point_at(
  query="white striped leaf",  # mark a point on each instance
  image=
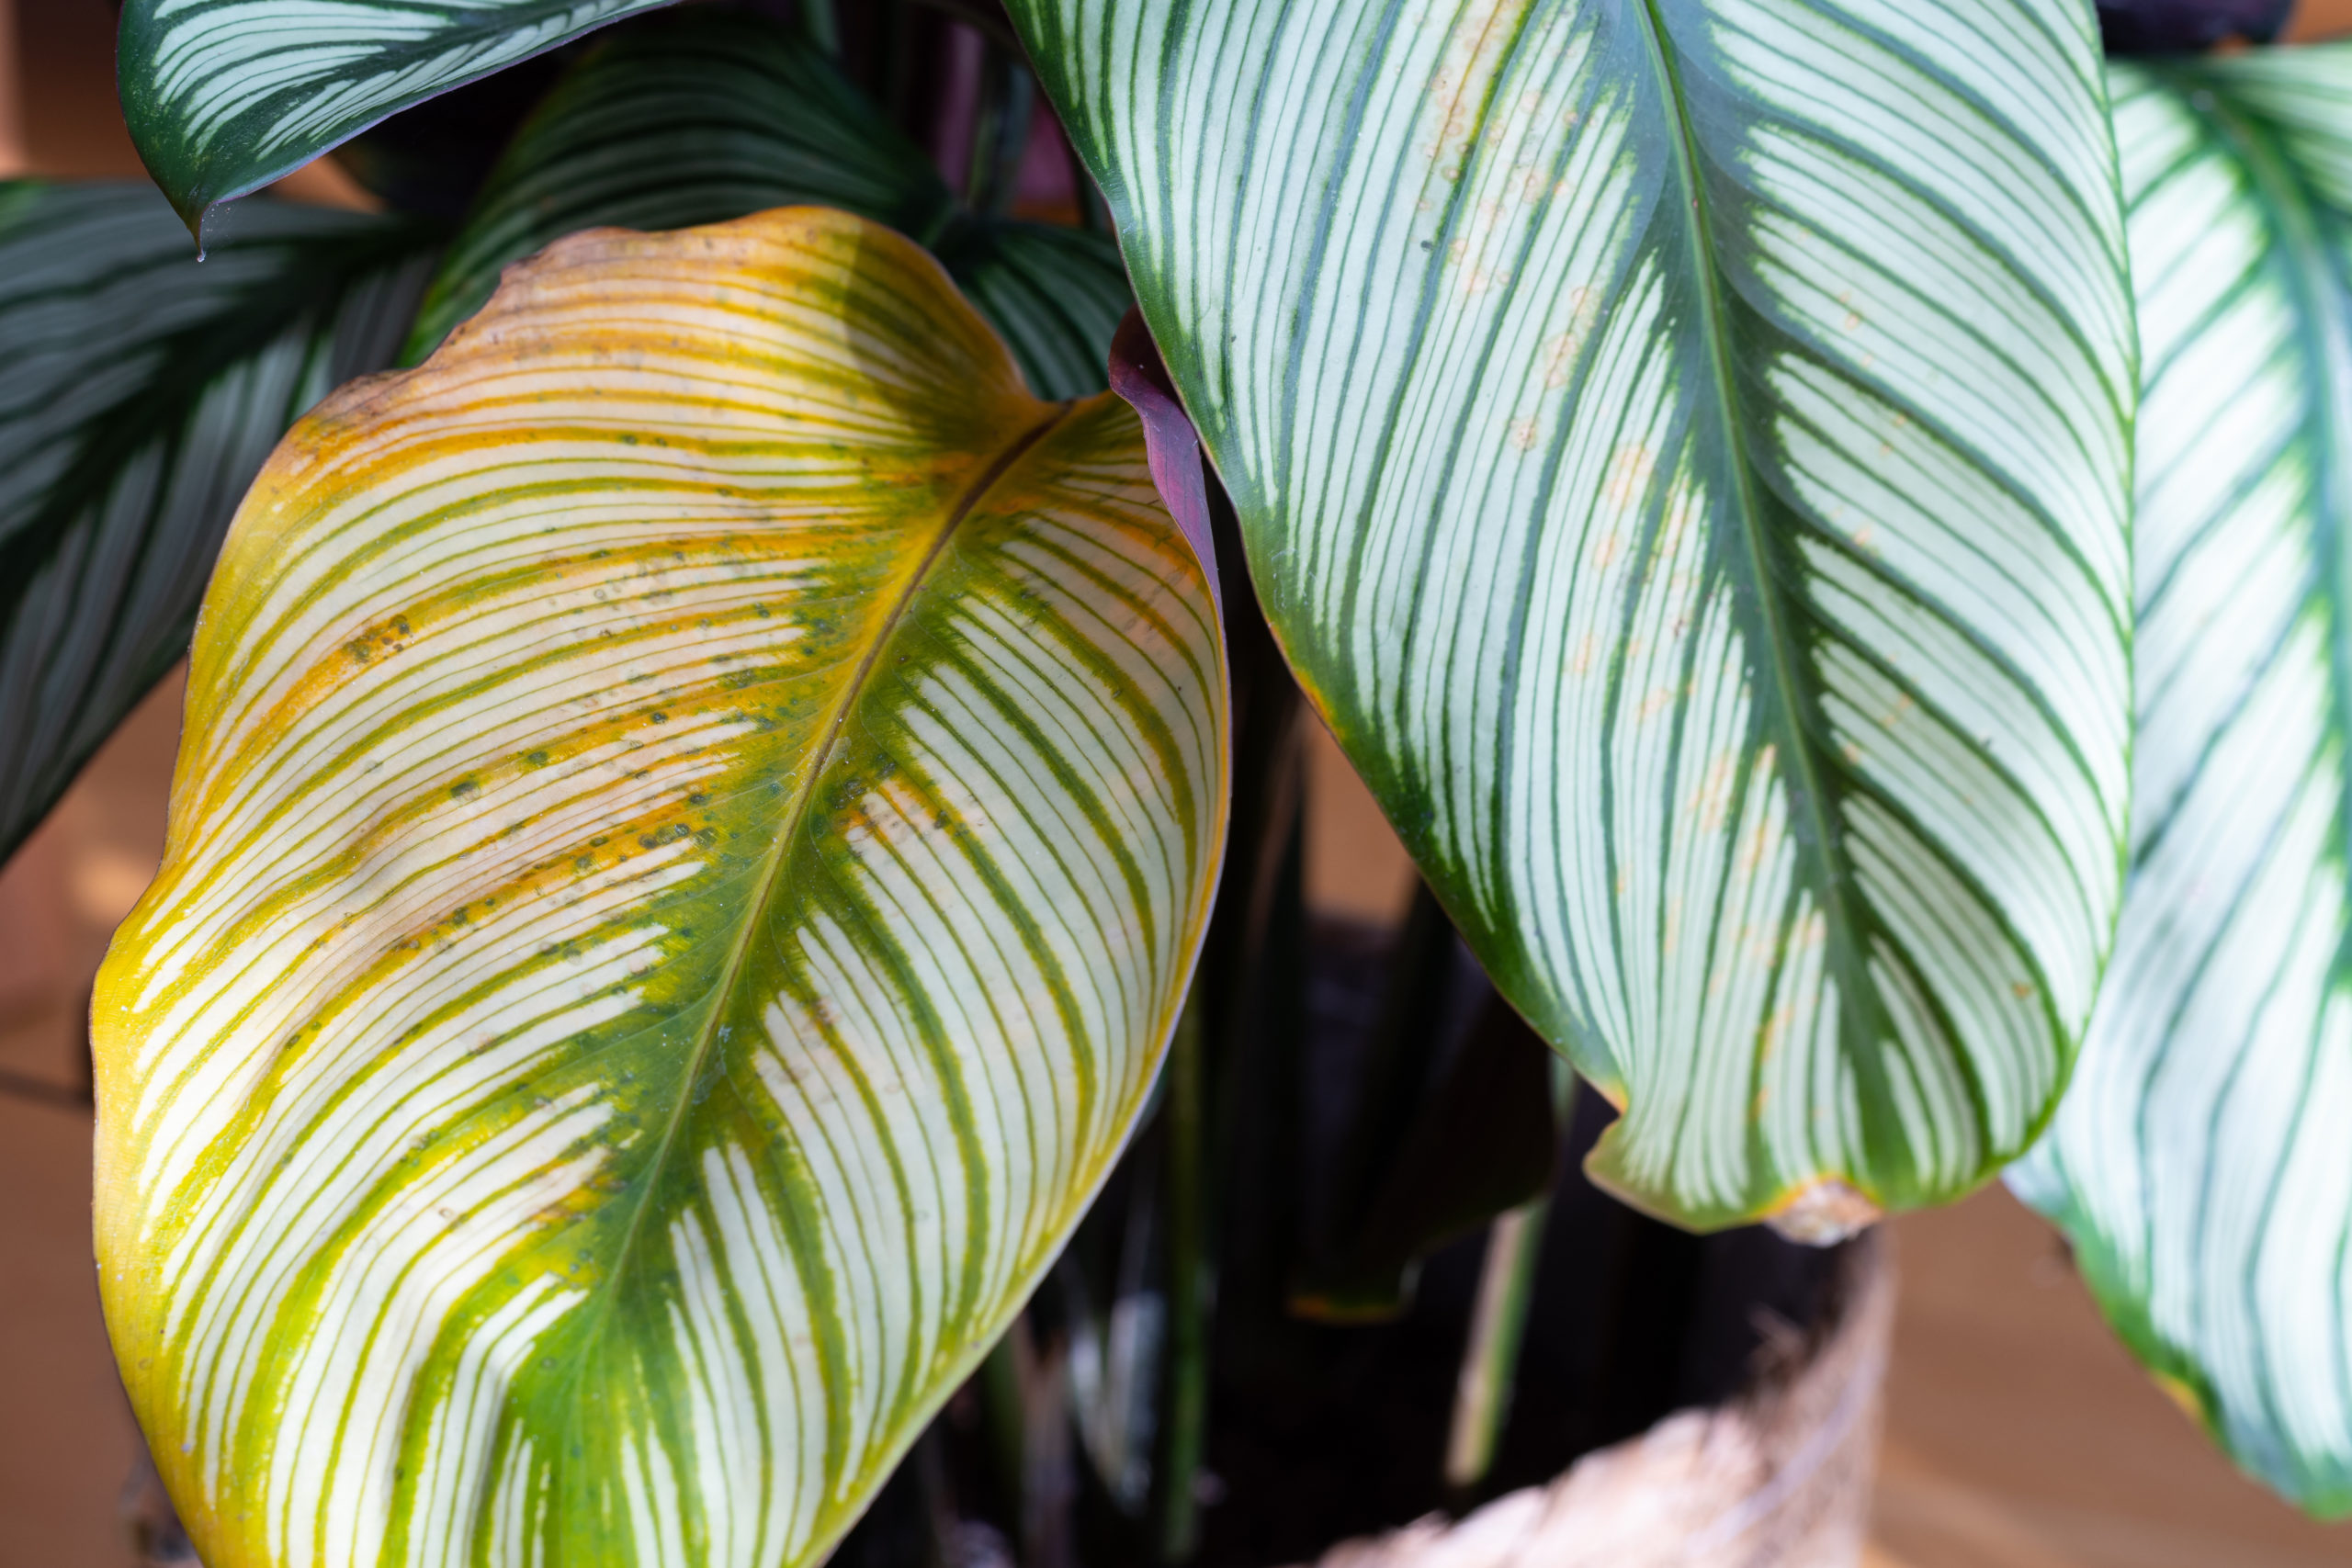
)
(2201, 1161)
(1057, 293)
(1683, 445)
(140, 392)
(223, 96)
(697, 811)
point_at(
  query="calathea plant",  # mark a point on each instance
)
(702, 795)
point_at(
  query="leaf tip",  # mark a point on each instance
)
(192, 210)
(1823, 1213)
(2186, 1395)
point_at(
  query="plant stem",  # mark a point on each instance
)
(937, 1499)
(1001, 1410)
(1048, 1484)
(1008, 97)
(1188, 1289)
(1490, 1362)
(1498, 1323)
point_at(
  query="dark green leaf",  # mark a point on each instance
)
(223, 96)
(140, 390)
(1055, 295)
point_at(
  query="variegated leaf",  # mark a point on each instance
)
(1057, 295)
(697, 808)
(705, 116)
(223, 96)
(2200, 1162)
(140, 392)
(1683, 445)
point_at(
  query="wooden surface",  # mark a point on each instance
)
(2319, 19)
(12, 109)
(2020, 1435)
(66, 1437)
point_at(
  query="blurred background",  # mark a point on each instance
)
(2018, 1434)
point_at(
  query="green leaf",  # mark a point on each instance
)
(1682, 446)
(697, 810)
(707, 115)
(223, 96)
(1056, 296)
(140, 392)
(2198, 1162)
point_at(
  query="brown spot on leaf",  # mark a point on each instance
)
(1824, 1211)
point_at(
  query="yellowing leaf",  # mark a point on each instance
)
(697, 808)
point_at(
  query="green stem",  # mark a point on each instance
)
(1498, 1323)
(1333, 1283)
(1001, 1410)
(999, 131)
(1188, 1289)
(1490, 1362)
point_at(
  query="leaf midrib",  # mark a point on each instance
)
(770, 877)
(1714, 328)
(2322, 287)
